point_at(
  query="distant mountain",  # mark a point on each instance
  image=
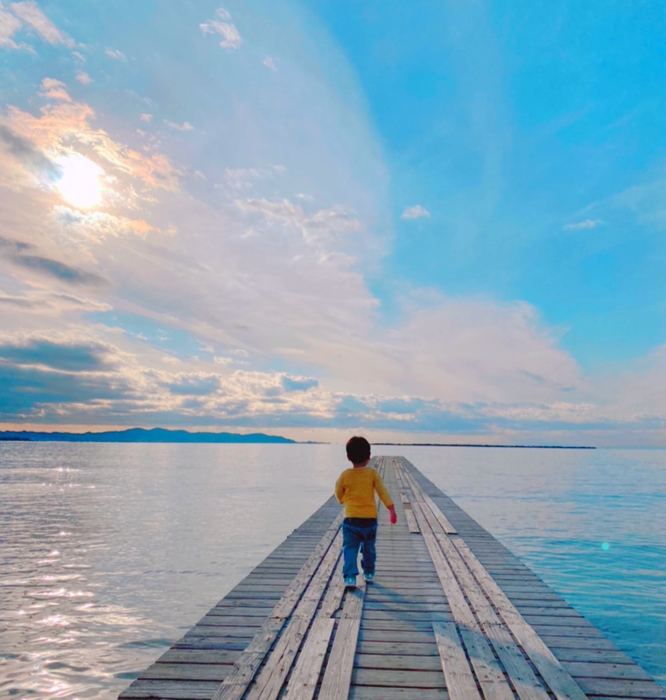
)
(142, 435)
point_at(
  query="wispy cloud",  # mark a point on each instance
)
(270, 64)
(37, 20)
(184, 126)
(83, 78)
(55, 90)
(51, 301)
(315, 227)
(9, 25)
(583, 225)
(146, 118)
(231, 39)
(115, 54)
(415, 212)
(97, 225)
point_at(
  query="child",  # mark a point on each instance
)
(356, 490)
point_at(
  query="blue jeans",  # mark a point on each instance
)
(353, 538)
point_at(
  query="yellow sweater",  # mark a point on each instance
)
(356, 490)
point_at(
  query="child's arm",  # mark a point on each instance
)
(385, 498)
(340, 490)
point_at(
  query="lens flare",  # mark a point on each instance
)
(79, 183)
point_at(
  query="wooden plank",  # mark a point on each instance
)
(623, 688)
(409, 662)
(522, 677)
(337, 677)
(292, 595)
(187, 672)
(459, 608)
(368, 692)
(247, 665)
(303, 681)
(199, 656)
(520, 674)
(412, 525)
(488, 671)
(389, 678)
(559, 681)
(270, 680)
(338, 673)
(171, 690)
(607, 670)
(423, 497)
(460, 681)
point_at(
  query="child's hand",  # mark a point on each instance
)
(394, 517)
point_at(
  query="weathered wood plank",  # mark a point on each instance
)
(460, 681)
(271, 678)
(337, 676)
(171, 690)
(246, 667)
(303, 682)
(369, 692)
(623, 688)
(415, 680)
(421, 495)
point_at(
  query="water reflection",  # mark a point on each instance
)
(111, 552)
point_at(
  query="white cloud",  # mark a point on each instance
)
(79, 56)
(582, 225)
(115, 54)
(50, 301)
(231, 39)
(416, 212)
(185, 126)
(316, 227)
(9, 25)
(37, 20)
(97, 225)
(245, 178)
(55, 90)
(83, 78)
(146, 118)
(270, 64)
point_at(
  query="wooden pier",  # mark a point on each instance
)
(452, 614)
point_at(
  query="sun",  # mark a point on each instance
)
(79, 182)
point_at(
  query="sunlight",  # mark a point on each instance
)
(79, 183)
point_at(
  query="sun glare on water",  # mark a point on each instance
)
(79, 183)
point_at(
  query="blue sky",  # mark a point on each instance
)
(426, 220)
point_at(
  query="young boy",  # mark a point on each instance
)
(356, 490)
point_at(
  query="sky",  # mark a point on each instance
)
(426, 221)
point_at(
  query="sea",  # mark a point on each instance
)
(110, 552)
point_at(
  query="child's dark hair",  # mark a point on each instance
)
(358, 450)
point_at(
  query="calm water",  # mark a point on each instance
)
(108, 553)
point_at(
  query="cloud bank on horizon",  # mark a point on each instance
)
(277, 216)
